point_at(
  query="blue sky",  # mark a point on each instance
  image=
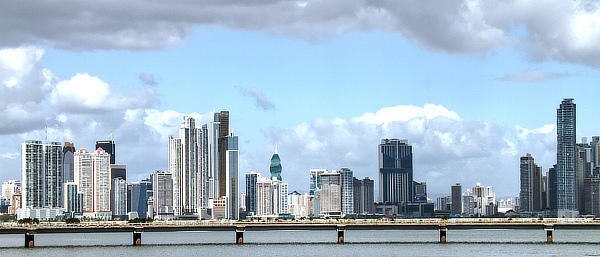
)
(473, 85)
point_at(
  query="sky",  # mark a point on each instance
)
(473, 85)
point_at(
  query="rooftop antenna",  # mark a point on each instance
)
(275, 148)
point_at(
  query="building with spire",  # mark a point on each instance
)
(275, 166)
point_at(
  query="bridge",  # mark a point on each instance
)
(239, 227)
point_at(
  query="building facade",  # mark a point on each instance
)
(395, 171)
(530, 195)
(566, 165)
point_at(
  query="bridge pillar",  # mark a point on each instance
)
(443, 229)
(239, 235)
(340, 232)
(29, 238)
(549, 229)
(137, 235)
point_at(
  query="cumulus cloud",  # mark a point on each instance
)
(89, 93)
(533, 76)
(446, 149)
(567, 31)
(260, 98)
(35, 104)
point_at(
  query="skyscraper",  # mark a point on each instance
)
(68, 166)
(231, 175)
(92, 175)
(566, 178)
(108, 146)
(584, 170)
(395, 171)
(118, 198)
(184, 164)
(347, 191)
(162, 187)
(530, 196)
(252, 179)
(42, 178)
(456, 206)
(329, 194)
(363, 196)
(275, 166)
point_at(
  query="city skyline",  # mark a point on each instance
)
(472, 85)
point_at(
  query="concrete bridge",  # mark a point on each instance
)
(29, 231)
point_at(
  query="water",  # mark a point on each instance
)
(312, 243)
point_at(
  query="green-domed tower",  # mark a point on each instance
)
(275, 166)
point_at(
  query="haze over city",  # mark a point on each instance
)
(472, 85)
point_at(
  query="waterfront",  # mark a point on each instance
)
(312, 243)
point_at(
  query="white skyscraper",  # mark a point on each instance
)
(92, 175)
(41, 174)
(264, 197)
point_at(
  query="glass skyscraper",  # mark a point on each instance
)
(275, 166)
(42, 179)
(566, 179)
(395, 171)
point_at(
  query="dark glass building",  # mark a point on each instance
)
(109, 147)
(566, 165)
(68, 162)
(395, 171)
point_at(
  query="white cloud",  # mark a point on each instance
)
(405, 113)
(567, 31)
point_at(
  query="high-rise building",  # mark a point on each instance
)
(315, 180)
(346, 176)
(530, 196)
(329, 194)
(73, 199)
(138, 197)
(92, 175)
(252, 179)
(68, 165)
(223, 141)
(162, 187)
(456, 207)
(11, 187)
(275, 166)
(585, 166)
(108, 146)
(364, 202)
(231, 175)
(41, 174)
(118, 198)
(280, 197)
(420, 192)
(395, 171)
(264, 197)
(566, 164)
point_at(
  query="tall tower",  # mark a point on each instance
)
(68, 168)
(457, 205)
(231, 176)
(252, 179)
(108, 146)
(347, 191)
(223, 141)
(42, 178)
(184, 165)
(275, 166)
(566, 178)
(395, 171)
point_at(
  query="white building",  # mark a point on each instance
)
(92, 175)
(41, 174)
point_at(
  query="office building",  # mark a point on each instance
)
(162, 187)
(68, 162)
(252, 179)
(264, 197)
(231, 175)
(138, 199)
(73, 199)
(329, 195)
(275, 166)
(364, 202)
(108, 146)
(395, 171)
(456, 206)
(530, 196)
(118, 198)
(347, 191)
(566, 177)
(584, 169)
(41, 174)
(420, 192)
(92, 175)
(315, 180)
